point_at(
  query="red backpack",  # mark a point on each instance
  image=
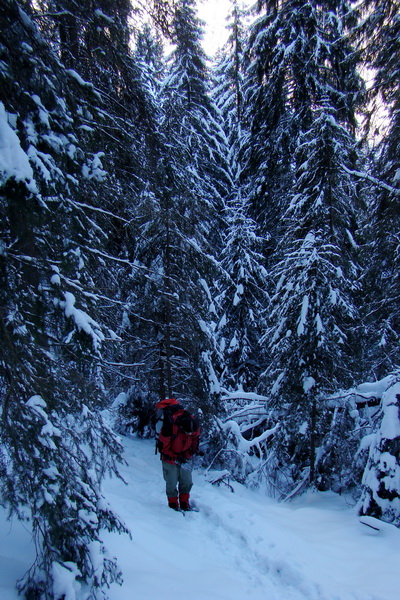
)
(178, 439)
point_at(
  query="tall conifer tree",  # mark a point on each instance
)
(244, 293)
(380, 40)
(56, 448)
(313, 309)
(180, 221)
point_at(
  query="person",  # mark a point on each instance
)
(177, 441)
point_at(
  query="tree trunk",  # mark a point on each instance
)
(313, 434)
(166, 370)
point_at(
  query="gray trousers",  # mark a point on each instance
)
(176, 478)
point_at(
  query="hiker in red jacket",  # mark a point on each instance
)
(178, 439)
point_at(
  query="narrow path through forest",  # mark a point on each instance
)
(243, 545)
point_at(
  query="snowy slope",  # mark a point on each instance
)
(240, 546)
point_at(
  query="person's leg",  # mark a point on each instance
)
(171, 474)
(185, 485)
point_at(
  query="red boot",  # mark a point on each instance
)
(173, 503)
(184, 501)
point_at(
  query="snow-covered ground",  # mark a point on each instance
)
(240, 546)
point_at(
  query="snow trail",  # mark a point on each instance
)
(240, 546)
(243, 545)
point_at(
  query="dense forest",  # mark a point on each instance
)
(226, 232)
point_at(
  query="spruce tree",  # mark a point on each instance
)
(312, 319)
(379, 36)
(244, 300)
(269, 137)
(56, 449)
(179, 223)
(243, 286)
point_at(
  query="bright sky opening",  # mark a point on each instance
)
(214, 13)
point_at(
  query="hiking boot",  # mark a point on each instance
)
(184, 501)
(173, 503)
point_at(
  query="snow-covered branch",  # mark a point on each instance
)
(365, 394)
(243, 444)
(374, 180)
